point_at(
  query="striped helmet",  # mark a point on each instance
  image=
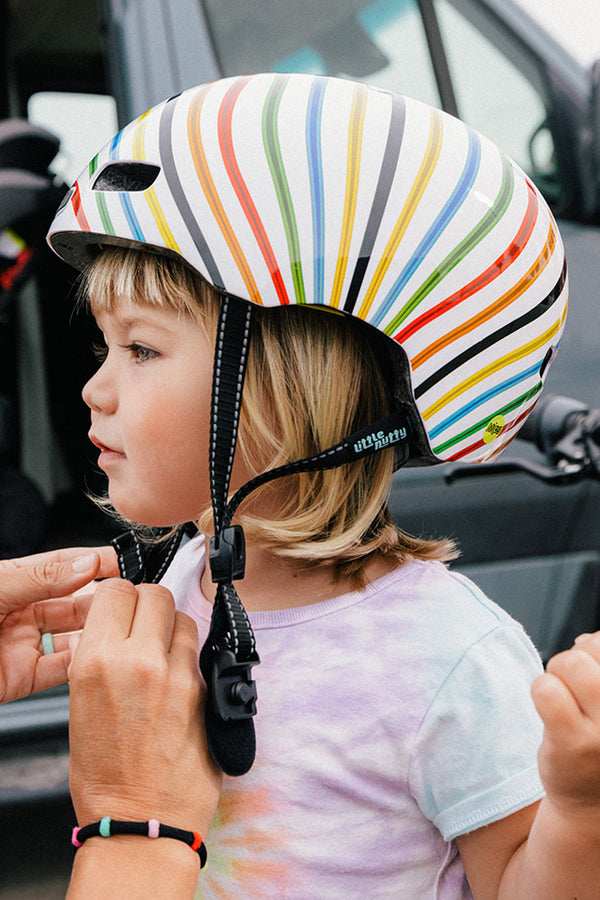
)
(299, 189)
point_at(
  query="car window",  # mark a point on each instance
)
(496, 98)
(83, 122)
(382, 42)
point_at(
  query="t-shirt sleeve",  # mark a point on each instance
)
(474, 760)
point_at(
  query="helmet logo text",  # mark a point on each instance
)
(378, 440)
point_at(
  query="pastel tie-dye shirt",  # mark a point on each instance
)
(389, 721)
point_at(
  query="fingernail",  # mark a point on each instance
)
(83, 563)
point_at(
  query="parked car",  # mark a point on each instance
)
(532, 545)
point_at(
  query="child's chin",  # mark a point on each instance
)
(149, 514)
(138, 516)
(133, 512)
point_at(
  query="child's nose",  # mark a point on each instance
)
(98, 393)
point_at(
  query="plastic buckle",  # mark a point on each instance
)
(227, 555)
(232, 689)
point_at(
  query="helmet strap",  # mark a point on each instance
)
(395, 431)
(229, 652)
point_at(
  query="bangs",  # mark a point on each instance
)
(143, 278)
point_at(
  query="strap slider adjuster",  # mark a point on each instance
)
(227, 555)
(232, 688)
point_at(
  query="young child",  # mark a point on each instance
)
(392, 289)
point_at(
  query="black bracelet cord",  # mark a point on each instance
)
(151, 828)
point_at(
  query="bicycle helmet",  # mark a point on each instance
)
(298, 189)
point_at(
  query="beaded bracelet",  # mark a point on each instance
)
(108, 827)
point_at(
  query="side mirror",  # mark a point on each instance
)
(542, 155)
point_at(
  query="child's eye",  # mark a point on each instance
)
(140, 353)
(100, 351)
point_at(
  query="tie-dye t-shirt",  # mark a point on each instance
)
(390, 720)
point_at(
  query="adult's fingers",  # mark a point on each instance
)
(108, 558)
(154, 616)
(63, 614)
(111, 613)
(51, 670)
(121, 610)
(185, 646)
(53, 574)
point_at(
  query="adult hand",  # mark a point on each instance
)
(567, 697)
(138, 746)
(27, 612)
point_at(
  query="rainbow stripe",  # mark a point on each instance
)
(124, 198)
(78, 208)
(497, 365)
(479, 426)
(180, 196)
(426, 170)
(482, 280)
(380, 197)
(113, 152)
(481, 230)
(241, 189)
(212, 195)
(355, 136)
(104, 213)
(100, 199)
(152, 200)
(506, 436)
(315, 171)
(282, 188)
(507, 384)
(438, 226)
(499, 334)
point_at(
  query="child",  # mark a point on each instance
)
(413, 293)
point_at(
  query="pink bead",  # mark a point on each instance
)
(74, 840)
(153, 826)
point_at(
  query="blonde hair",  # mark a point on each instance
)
(312, 379)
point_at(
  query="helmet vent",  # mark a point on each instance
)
(126, 176)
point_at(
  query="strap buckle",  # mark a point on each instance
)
(232, 689)
(227, 555)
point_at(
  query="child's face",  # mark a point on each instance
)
(150, 404)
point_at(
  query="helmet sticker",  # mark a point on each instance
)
(493, 429)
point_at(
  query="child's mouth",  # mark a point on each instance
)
(107, 455)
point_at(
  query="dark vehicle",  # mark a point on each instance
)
(531, 544)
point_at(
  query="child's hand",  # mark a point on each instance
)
(27, 611)
(567, 697)
(138, 746)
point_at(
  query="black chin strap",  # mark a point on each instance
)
(229, 652)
